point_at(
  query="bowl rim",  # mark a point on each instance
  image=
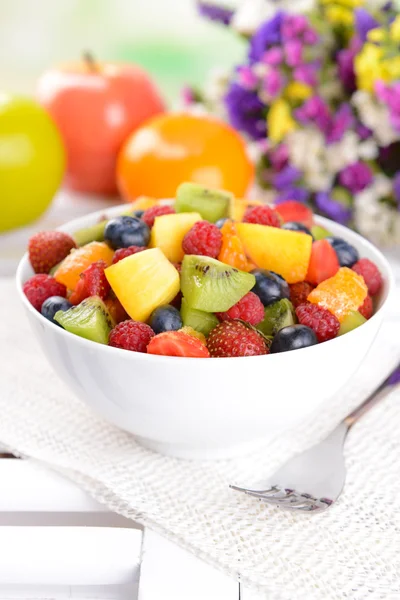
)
(114, 211)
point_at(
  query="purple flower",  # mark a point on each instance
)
(293, 26)
(332, 208)
(215, 12)
(268, 34)
(341, 122)
(286, 177)
(345, 60)
(395, 378)
(310, 36)
(246, 77)
(314, 111)
(272, 57)
(363, 132)
(279, 157)
(364, 22)
(356, 177)
(306, 74)
(390, 95)
(396, 188)
(273, 83)
(246, 112)
(188, 95)
(293, 53)
(293, 193)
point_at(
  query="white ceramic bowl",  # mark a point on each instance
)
(199, 408)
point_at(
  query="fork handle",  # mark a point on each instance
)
(375, 397)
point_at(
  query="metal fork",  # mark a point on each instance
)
(314, 479)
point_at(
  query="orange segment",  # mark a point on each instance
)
(342, 293)
(232, 250)
(78, 260)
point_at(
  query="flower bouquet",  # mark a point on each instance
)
(318, 99)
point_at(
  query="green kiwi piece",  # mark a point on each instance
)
(319, 233)
(94, 233)
(276, 316)
(210, 285)
(198, 319)
(351, 321)
(90, 319)
(211, 204)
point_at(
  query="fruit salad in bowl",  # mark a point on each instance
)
(282, 304)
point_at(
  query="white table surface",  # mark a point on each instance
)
(56, 542)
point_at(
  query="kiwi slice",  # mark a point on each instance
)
(351, 321)
(94, 233)
(210, 285)
(90, 319)
(319, 233)
(276, 316)
(211, 204)
(197, 319)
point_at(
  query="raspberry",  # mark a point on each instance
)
(299, 292)
(249, 308)
(367, 308)
(131, 335)
(319, 319)
(371, 274)
(40, 287)
(48, 248)
(262, 215)
(92, 282)
(233, 338)
(156, 211)
(125, 252)
(203, 238)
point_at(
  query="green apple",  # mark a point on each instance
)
(32, 161)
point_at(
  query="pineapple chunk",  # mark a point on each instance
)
(168, 232)
(143, 281)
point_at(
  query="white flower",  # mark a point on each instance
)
(375, 116)
(374, 219)
(251, 13)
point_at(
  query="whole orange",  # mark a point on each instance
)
(176, 147)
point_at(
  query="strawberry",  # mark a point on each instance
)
(367, 307)
(177, 343)
(291, 210)
(92, 282)
(323, 262)
(233, 338)
(48, 248)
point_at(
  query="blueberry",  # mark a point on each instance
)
(125, 231)
(346, 253)
(165, 318)
(295, 226)
(270, 287)
(293, 338)
(220, 222)
(53, 305)
(138, 213)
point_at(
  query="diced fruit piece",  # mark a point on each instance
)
(291, 210)
(150, 214)
(75, 263)
(197, 334)
(346, 253)
(122, 253)
(204, 239)
(239, 206)
(92, 282)
(233, 338)
(143, 203)
(165, 318)
(131, 335)
(93, 233)
(367, 308)
(209, 203)
(293, 338)
(249, 308)
(116, 310)
(201, 321)
(269, 286)
(143, 281)
(319, 319)
(371, 274)
(299, 292)
(320, 233)
(296, 226)
(177, 343)
(232, 250)
(125, 231)
(352, 320)
(323, 262)
(276, 316)
(209, 285)
(52, 305)
(90, 320)
(284, 252)
(47, 248)
(262, 215)
(168, 232)
(40, 287)
(340, 294)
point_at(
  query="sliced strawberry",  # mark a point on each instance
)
(291, 210)
(177, 343)
(92, 282)
(323, 262)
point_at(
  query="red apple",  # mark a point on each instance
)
(96, 106)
